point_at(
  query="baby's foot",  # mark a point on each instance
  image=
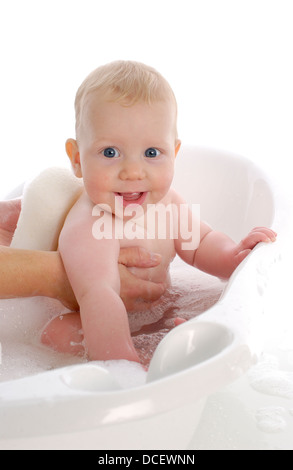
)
(178, 321)
(64, 334)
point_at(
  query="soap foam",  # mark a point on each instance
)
(266, 378)
(271, 419)
(127, 374)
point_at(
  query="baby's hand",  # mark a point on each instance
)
(255, 236)
(219, 255)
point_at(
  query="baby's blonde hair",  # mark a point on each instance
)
(125, 82)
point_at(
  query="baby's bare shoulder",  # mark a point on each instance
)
(175, 197)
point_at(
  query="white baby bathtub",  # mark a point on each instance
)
(82, 406)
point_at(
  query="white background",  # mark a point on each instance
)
(228, 61)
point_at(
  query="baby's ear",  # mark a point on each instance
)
(73, 154)
(177, 146)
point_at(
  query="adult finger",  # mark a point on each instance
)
(138, 257)
(133, 288)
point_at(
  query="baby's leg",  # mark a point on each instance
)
(64, 334)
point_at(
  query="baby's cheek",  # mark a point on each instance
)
(164, 178)
(166, 185)
(95, 187)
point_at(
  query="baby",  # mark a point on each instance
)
(125, 149)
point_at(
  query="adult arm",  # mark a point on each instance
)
(9, 213)
(27, 273)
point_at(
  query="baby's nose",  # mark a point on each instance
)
(132, 171)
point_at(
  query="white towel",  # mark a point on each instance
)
(46, 201)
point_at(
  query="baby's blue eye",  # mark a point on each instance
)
(152, 152)
(110, 152)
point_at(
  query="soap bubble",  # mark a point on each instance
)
(271, 419)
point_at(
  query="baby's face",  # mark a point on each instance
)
(127, 152)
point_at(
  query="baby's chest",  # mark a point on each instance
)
(151, 232)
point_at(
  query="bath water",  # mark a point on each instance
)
(21, 321)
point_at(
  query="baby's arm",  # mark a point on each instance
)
(216, 253)
(92, 268)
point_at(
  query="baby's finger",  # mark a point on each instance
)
(178, 321)
(252, 239)
(271, 234)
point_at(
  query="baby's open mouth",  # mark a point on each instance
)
(132, 198)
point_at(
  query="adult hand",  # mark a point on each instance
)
(9, 213)
(132, 287)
